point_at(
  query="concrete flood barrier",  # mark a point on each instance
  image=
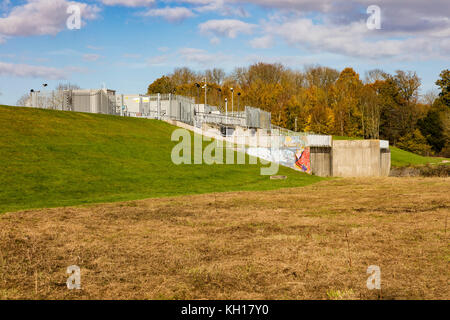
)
(360, 158)
(341, 158)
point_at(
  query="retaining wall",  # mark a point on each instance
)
(321, 161)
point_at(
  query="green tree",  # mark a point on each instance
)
(432, 128)
(415, 142)
(444, 84)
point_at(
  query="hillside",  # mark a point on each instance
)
(54, 158)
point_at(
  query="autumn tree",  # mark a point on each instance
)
(161, 85)
(347, 114)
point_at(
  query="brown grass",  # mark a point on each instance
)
(314, 242)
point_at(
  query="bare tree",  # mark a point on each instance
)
(430, 96)
(375, 75)
(22, 102)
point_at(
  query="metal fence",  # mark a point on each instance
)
(257, 118)
(47, 100)
(93, 101)
(220, 119)
(156, 106)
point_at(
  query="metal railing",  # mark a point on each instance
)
(219, 119)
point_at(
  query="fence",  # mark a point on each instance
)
(47, 100)
(221, 119)
(156, 106)
(257, 118)
(93, 101)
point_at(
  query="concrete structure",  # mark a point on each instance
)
(352, 158)
(356, 158)
(321, 161)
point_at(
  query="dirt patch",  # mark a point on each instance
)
(421, 171)
(305, 243)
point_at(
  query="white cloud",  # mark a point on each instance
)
(128, 3)
(214, 40)
(352, 40)
(42, 17)
(201, 57)
(226, 28)
(264, 42)
(31, 71)
(175, 14)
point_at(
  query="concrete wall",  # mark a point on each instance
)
(346, 158)
(356, 158)
(321, 161)
(385, 159)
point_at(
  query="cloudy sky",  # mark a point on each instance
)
(126, 44)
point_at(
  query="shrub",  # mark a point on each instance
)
(415, 142)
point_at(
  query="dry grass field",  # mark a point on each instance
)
(314, 242)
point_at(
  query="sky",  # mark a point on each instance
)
(126, 44)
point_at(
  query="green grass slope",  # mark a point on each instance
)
(402, 158)
(54, 158)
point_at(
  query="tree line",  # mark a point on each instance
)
(327, 101)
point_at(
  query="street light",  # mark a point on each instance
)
(226, 111)
(206, 89)
(232, 100)
(198, 96)
(239, 96)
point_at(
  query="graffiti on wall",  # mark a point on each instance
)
(293, 153)
(302, 159)
(297, 145)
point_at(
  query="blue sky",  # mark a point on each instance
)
(127, 44)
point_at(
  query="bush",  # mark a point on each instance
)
(415, 142)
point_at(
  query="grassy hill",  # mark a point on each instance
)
(54, 158)
(402, 158)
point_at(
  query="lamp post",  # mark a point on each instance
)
(226, 111)
(206, 89)
(232, 101)
(198, 96)
(239, 98)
